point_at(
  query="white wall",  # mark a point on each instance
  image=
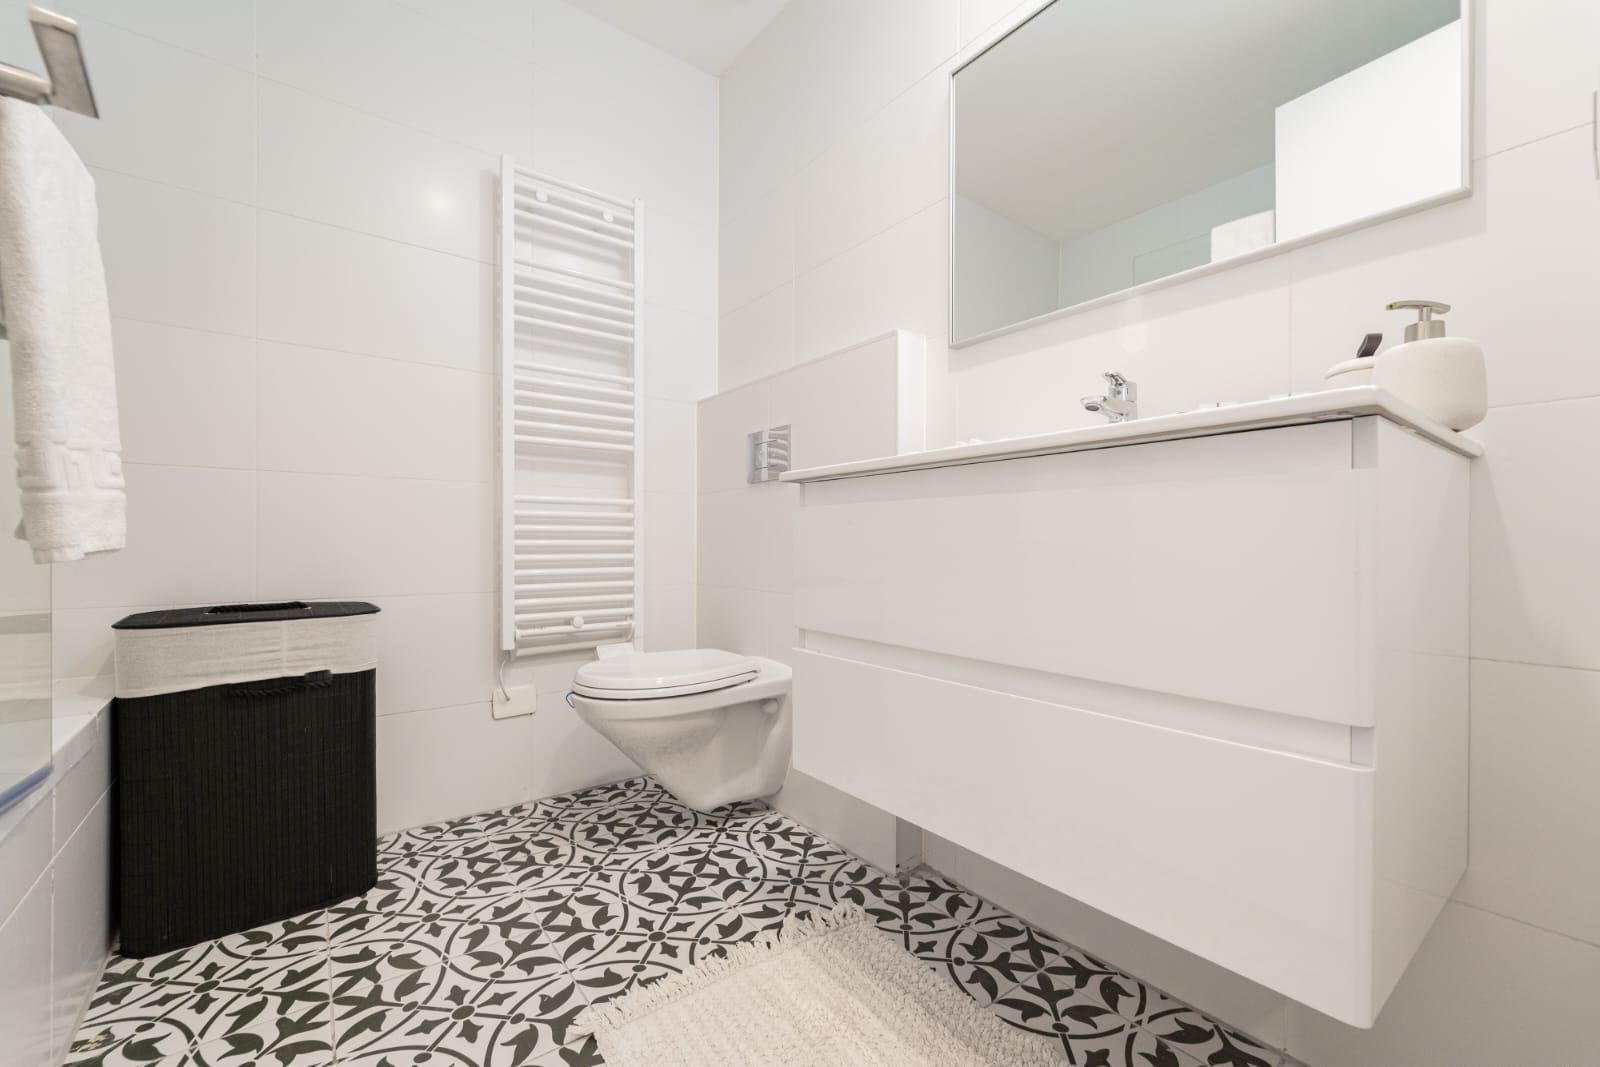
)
(297, 214)
(862, 402)
(833, 167)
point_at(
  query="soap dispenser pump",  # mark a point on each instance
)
(1441, 376)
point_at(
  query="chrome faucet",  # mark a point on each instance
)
(1121, 401)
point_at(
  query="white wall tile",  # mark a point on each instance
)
(783, 637)
(1222, 338)
(337, 413)
(25, 1004)
(731, 619)
(1536, 70)
(330, 288)
(724, 422)
(939, 427)
(81, 640)
(669, 617)
(669, 553)
(983, 21)
(646, 125)
(757, 339)
(547, 673)
(176, 257)
(669, 446)
(433, 73)
(1530, 989)
(209, 377)
(447, 762)
(895, 280)
(191, 540)
(192, 127)
(859, 57)
(680, 353)
(1535, 205)
(331, 163)
(680, 262)
(328, 536)
(1535, 744)
(884, 171)
(444, 762)
(732, 539)
(507, 23)
(757, 251)
(220, 29)
(759, 96)
(842, 407)
(777, 507)
(435, 651)
(568, 754)
(1535, 521)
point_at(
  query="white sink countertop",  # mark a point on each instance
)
(1327, 405)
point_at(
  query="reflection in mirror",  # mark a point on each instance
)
(25, 743)
(1108, 143)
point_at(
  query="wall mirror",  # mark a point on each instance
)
(1105, 145)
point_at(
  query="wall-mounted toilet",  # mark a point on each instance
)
(713, 727)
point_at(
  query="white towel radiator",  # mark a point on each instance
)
(571, 565)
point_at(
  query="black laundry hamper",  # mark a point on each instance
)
(245, 739)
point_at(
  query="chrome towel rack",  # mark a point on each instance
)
(571, 563)
(65, 83)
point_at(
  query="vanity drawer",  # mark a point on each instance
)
(1258, 860)
(1166, 567)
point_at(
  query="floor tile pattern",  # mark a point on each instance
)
(487, 936)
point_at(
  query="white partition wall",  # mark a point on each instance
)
(864, 401)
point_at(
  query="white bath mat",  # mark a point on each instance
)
(830, 990)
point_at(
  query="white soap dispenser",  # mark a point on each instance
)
(1443, 377)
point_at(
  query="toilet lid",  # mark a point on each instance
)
(641, 675)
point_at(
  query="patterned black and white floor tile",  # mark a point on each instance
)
(486, 938)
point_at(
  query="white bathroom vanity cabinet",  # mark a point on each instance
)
(1205, 672)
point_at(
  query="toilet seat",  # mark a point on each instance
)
(651, 675)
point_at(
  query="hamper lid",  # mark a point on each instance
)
(223, 614)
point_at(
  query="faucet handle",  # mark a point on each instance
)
(1121, 386)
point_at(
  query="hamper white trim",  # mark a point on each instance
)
(180, 658)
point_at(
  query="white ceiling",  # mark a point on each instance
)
(1098, 110)
(709, 34)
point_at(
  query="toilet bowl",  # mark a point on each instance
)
(713, 727)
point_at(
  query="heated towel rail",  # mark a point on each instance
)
(571, 566)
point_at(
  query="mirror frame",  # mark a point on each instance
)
(1463, 191)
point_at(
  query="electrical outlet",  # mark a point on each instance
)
(524, 700)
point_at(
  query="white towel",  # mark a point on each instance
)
(69, 462)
